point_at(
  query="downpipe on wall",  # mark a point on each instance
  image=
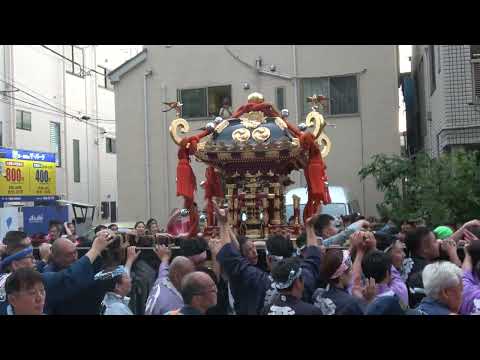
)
(147, 146)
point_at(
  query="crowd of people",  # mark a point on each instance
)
(357, 268)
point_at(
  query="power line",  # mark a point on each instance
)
(36, 98)
(14, 83)
(60, 111)
(82, 67)
(52, 111)
(16, 87)
(33, 107)
(41, 107)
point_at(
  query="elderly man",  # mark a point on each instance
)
(25, 292)
(443, 285)
(165, 295)
(59, 286)
(64, 254)
(199, 293)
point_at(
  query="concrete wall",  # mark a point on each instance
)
(374, 128)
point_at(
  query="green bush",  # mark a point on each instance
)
(443, 190)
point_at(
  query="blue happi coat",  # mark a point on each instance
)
(63, 285)
(250, 285)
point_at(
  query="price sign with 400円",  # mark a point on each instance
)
(27, 175)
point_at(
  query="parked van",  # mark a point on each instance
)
(341, 203)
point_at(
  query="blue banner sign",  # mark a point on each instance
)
(36, 219)
(26, 155)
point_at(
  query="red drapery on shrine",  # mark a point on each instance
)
(186, 181)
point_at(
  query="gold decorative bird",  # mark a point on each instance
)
(173, 105)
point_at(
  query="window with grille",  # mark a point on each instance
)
(280, 98)
(24, 120)
(55, 142)
(204, 102)
(76, 161)
(433, 74)
(75, 61)
(341, 92)
(475, 51)
(476, 78)
(111, 146)
(102, 78)
(475, 54)
(105, 209)
(439, 59)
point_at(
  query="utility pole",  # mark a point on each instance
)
(10, 124)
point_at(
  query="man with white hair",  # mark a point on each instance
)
(443, 286)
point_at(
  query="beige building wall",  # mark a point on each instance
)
(355, 139)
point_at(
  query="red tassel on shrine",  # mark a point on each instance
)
(315, 176)
(213, 188)
(210, 213)
(185, 179)
(213, 185)
(194, 220)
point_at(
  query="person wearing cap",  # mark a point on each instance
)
(117, 284)
(443, 232)
(18, 256)
(461, 233)
(59, 286)
(116, 301)
(287, 279)
(13, 238)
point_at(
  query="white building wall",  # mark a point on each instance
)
(4, 107)
(374, 129)
(42, 74)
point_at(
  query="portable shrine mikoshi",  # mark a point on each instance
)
(249, 158)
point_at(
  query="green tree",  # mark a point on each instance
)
(444, 190)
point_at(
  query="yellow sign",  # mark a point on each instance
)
(27, 178)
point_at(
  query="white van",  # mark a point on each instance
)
(341, 203)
